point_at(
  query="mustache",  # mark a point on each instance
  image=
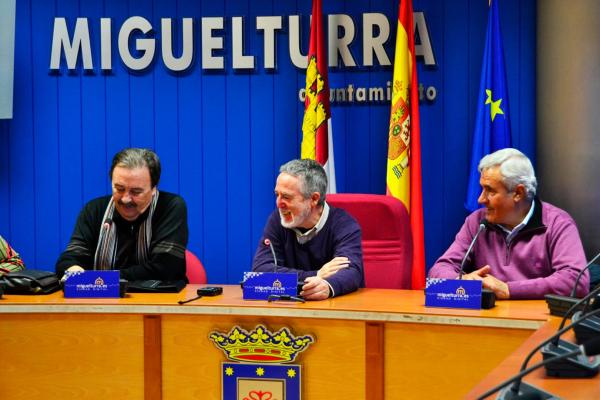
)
(131, 204)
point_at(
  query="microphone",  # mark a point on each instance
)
(575, 306)
(557, 304)
(482, 227)
(267, 243)
(581, 273)
(572, 367)
(488, 297)
(591, 326)
(590, 348)
(584, 365)
(588, 329)
(299, 285)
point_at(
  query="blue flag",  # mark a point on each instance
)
(492, 123)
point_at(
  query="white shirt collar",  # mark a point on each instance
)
(304, 237)
(511, 233)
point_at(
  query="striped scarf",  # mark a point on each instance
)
(106, 250)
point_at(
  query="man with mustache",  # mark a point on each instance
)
(529, 248)
(319, 242)
(138, 230)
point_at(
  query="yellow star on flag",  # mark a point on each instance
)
(260, 371)
(495, 105)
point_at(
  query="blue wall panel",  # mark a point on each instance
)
(222, 134)
(191, 149)
(4, 180)
(46, 148)
(19, 153)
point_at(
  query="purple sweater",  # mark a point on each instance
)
(544, 257)
(340, 236)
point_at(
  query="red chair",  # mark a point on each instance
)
(386, 237)
(194, 269)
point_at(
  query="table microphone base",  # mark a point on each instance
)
(526, 391)
(573, 367)
(587, 329)
(488, 299)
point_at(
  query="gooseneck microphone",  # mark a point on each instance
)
(576, 305)
(482, 225)
(555, 337)
(573, 292)
(590, 348)
(284, 297)
(557, 304)
(267, 243)
(488, 297)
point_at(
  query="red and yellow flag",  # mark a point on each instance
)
(317, 140)
(404, 146)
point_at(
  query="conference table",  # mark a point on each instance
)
(372, 344)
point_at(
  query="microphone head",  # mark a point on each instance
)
(483, 224)
(267, 242)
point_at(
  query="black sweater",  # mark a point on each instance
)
(166, 257)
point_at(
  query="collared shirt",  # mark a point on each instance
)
(304, 237)
(511, 233)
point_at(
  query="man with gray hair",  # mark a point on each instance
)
(530, 248)
(319, 242)
(137, 230)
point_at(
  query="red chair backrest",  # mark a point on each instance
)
(386, 237)
(194, 269)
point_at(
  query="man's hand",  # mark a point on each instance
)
(73, 268)
(497, 286)
(315, 288)
(332, 267)
(489, 281)
(478, 274)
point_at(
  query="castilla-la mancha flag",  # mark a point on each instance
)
(317, 140)
(404, 146)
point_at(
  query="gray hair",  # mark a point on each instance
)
(515, 169)
(138, 158)
(311, 175)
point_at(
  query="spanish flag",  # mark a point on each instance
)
(317, 139)
(404, 145)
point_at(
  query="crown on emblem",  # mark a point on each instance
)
(99, 281)
(260, 345)
(277, 283)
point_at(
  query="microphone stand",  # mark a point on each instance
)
(482, 227)
(590, 348)
(558, 303)
(508, 394)
(515, 388)
(488, 297)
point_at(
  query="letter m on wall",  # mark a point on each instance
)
(80, 43)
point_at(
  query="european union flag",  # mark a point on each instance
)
(492, 123)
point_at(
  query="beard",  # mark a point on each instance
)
(297, 220)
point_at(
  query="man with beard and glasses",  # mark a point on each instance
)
(530, 248)
(319, 242)
(138, 230)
